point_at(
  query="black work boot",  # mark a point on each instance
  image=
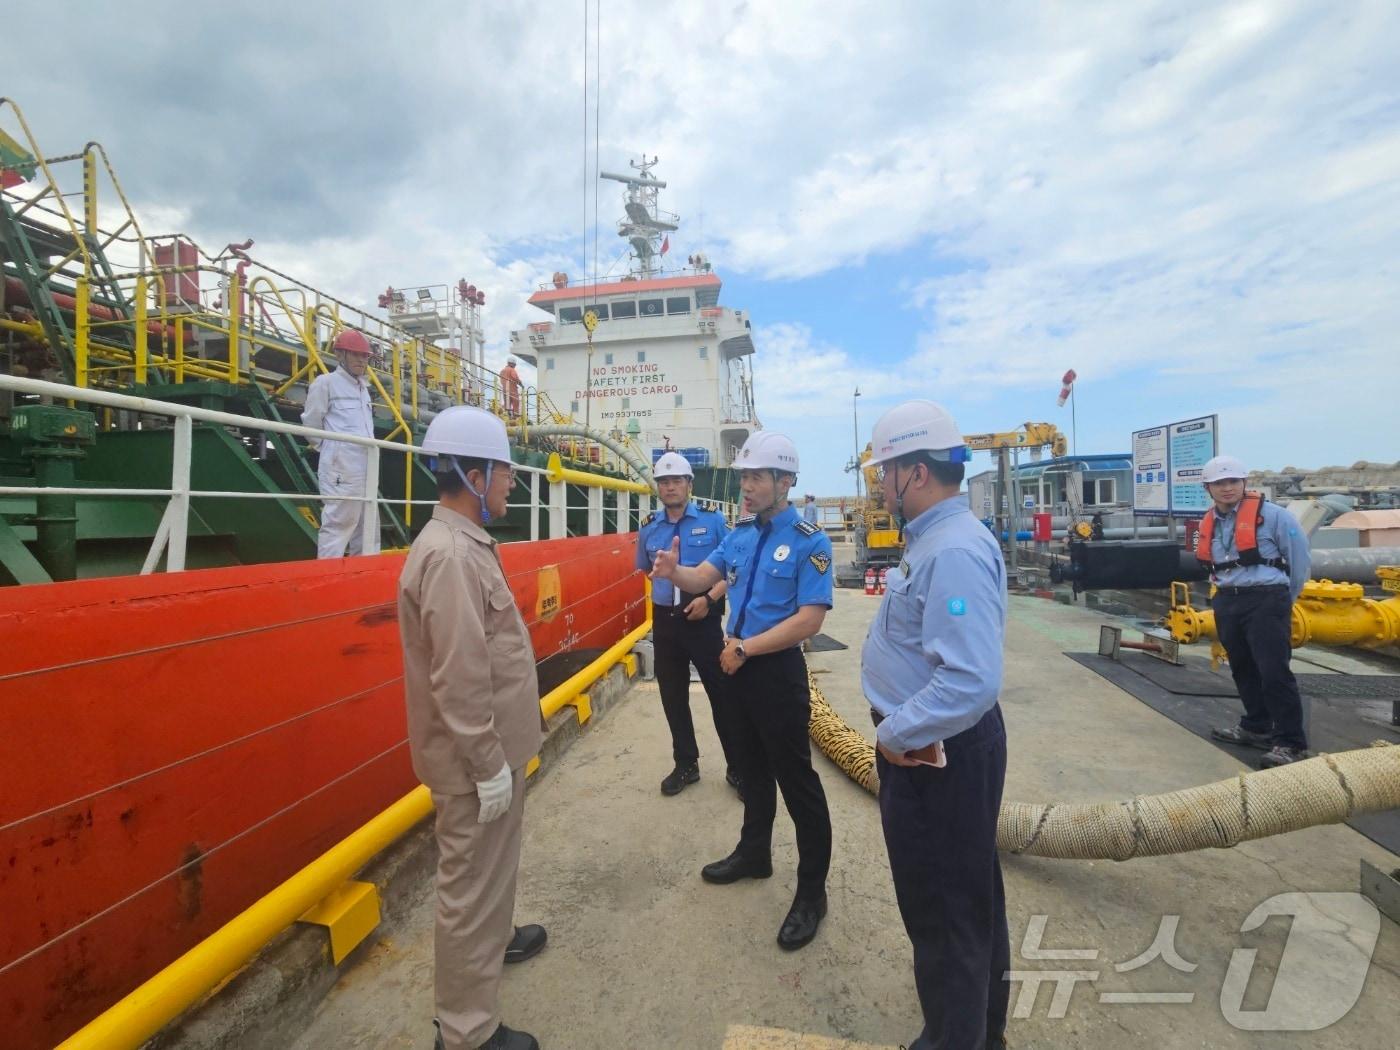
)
(527, 942)
(676, 781)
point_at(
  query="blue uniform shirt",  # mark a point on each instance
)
(773, 570)
(1278, 536)
(932, 661)
(700, 532)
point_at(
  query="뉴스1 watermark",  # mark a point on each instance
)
(1325, 960)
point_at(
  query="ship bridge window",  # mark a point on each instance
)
(624, 310)
(651, 307)
(570, 314)
(678, 305)
(601, 309)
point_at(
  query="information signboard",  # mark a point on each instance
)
(1151, 493)
(1190, 445)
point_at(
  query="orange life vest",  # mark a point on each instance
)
(1248, 517)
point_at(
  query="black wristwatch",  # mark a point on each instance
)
(739, 648)
(710, 599)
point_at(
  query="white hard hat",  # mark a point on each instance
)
(766, 450)
(510, 360)
(463, 430)
(672, 465)
(917, 426)
(1222, 467)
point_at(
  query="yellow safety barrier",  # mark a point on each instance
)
(144, 1012)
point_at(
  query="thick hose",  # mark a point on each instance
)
(1328, 789)
(639, 467)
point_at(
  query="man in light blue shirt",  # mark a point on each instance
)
(1259, 561)
(931, 669)
(779, 572)
(809, 509)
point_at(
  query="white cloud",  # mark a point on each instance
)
(1193, 194)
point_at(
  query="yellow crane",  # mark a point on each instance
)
(876, 533)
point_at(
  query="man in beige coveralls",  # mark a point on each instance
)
(473, 723)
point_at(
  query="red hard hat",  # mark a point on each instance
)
(353, 341)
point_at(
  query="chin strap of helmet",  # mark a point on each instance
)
(481, 496)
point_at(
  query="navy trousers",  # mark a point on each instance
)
(679, 643)
(769, 707)
(1254, 624)
(941, 833)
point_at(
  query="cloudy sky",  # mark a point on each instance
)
(1196, 206)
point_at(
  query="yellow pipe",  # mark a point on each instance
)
(81, 325)
(179, 350)
(141, 334)
(128, 1023)
(555, 472)
(144, 1012)
(235, 319)
(562, 695)
(1326, 613)
(33, 328)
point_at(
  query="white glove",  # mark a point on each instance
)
(494, 796)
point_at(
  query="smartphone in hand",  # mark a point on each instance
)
(930, 755)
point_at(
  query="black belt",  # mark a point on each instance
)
(1256, 589)
(678, 611)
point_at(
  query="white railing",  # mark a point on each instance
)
(171, 538)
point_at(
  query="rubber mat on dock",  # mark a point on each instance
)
(1333, 723)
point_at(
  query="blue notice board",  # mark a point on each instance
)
(1190, 445)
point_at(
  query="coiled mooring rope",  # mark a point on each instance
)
(1327, 789)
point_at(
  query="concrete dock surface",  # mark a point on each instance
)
(643, 954)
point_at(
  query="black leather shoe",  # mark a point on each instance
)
(736, 782)
(801, 923)
(528, 942)
(678, 778)
(735, 867)
(504, 1038)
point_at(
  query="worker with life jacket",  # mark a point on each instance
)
(1258, 560)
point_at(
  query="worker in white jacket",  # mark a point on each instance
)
(339, 401)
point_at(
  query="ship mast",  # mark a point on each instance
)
(644, 224)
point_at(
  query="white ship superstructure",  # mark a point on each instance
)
(667, 366)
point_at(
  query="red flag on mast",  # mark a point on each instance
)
(666, 244)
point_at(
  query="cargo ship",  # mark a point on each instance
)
(180, 742)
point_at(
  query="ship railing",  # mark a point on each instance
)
(555, 495)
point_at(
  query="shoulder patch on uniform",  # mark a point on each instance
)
(821, 560)
(747, 519)
(806, 527)
(653, 516)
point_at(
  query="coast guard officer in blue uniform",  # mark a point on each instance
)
(931, 669)
(686, 628)
(779, 572)
(1259, 561)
